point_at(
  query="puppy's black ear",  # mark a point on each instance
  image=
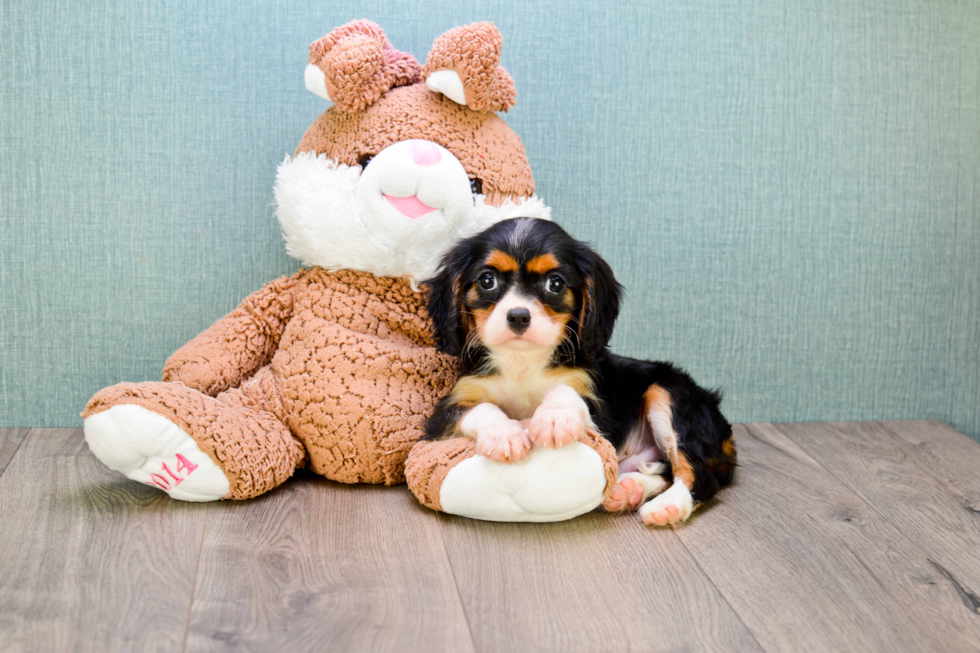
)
(445, 302)
(600, 303)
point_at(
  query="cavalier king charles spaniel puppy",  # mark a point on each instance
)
(529, 311)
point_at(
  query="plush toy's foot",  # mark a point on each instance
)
(192, 446)
(151, 449)
(547, 485)
(634, 488)
(672, 507)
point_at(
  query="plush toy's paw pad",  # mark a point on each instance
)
(149, 448)
(556, 427)
(504, 442)
(672, 507)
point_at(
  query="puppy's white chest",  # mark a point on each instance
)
(521, 384)
(517, 397)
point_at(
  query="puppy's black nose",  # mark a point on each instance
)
(519, 320)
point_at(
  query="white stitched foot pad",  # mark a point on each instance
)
(149, 448)
(546, 485)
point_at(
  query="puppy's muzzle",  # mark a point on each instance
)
(518, 319)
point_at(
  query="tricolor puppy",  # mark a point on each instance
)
(530, 311)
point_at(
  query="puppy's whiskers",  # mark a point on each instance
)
(471, 344)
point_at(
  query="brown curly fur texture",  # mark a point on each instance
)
(235, 347)
(473, 51)
(488, 149)
(336, 366)
(360, 65)
(358, 373)
(430, 461)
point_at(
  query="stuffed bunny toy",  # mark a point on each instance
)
(333, 368)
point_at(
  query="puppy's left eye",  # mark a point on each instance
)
(488, 281)
(476, 186)
(554, 285)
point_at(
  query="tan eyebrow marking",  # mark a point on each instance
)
(542, 264)
(502, 261)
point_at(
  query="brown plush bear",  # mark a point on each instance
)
(334, 367)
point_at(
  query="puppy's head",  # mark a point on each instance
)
(524, 284)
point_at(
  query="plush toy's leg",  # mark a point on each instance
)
(192, 446)
(547, 485)
(428, 463)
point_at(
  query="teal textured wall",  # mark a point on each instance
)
(790, 191)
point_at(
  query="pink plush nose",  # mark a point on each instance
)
(425, 153)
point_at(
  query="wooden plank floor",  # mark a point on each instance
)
(861, 536)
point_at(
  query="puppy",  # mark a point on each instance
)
(530, 311)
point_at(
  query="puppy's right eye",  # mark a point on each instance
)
(488, 281)
(365, 160)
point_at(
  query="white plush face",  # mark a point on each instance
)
(396, 217)
(412, 194)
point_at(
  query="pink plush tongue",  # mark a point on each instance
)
(410, 206)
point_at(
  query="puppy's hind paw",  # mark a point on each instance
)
(627, 495)
(631, 490)
(670, 508)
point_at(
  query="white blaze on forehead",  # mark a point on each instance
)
(521, 231)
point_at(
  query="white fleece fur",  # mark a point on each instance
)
(323, 222)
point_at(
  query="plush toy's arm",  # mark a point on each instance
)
(238, 344)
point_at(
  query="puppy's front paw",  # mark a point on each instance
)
(503, 441)
(555, 426)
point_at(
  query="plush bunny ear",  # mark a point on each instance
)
(464, 66)
(354, 65)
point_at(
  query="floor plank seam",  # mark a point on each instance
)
(459, 596)
(724, 598)
(16, 450)
(197, 571)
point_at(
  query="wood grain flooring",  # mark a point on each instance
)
(861, 536)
